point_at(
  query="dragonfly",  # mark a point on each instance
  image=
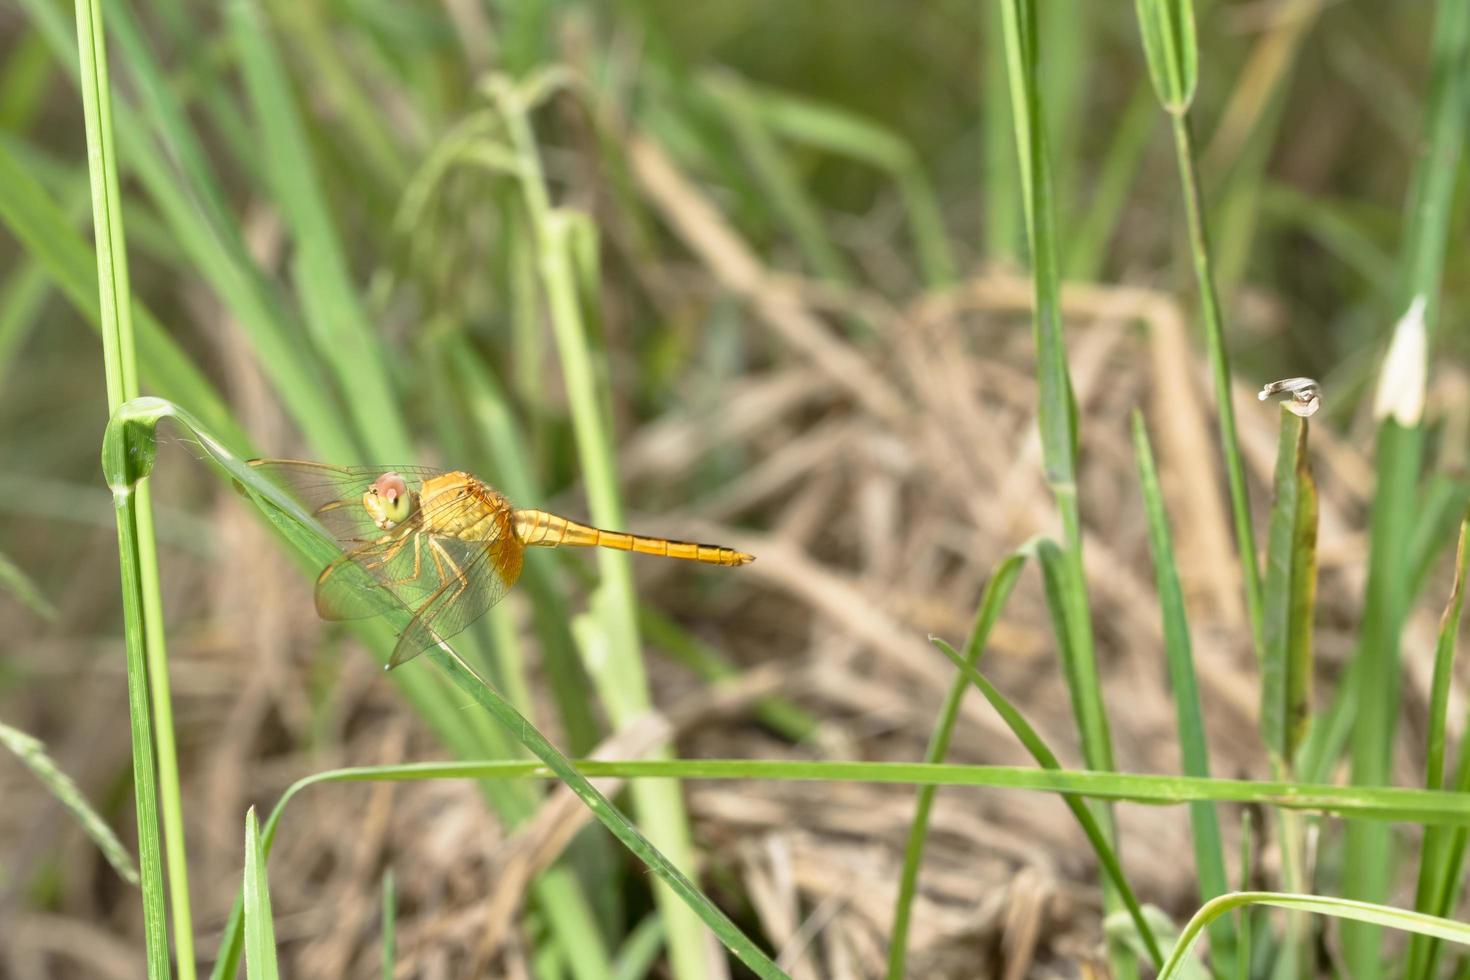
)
(445, 546)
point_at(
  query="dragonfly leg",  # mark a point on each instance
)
(461, 582)
(391, 554)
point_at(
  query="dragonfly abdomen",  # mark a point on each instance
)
(541, 529)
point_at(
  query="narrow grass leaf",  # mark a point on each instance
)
(992, 601)
(31, 752)
(1384, 804)
(1340, 908)
(390, 920)
(1290, 593)
(14, 580)
(260, 933)
(329, 297)
(1044, 757)
(840, 131)
(137, 555)
(1400, 452)
(621, 677)
(1171, 51)
(1432, 853)
(1209, 851)
(1291, 583)
(1167, 27)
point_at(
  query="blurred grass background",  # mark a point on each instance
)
(749, 272)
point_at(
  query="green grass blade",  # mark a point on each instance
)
(14, 580)
(839, 131)
(1028, 737)
(1451, 868)
(782, 716)
(1057, 420)
(1400, 454)
(1170, 48)
(42, 227)
(333, 312)
(1000, 180)
(1341, 908)
(992, 601)
(1243, 919)
(640, 950)
(1384, 804)
(1286, 670)
(620, 676)
(136, 548)
(390, 915)
(260, 934)
(192, 209)
(31, 752)
(1291, 581)
(1121, 165)
(1432, 853)
(789, 199)
(21, 305)
(1209, 851)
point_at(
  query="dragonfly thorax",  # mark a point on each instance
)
(388, 501)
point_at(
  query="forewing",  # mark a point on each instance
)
(346, 590)
(486, 572)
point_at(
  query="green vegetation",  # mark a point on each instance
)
(515, 238)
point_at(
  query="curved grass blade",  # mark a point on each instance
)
(1436, 863)
(31, 752)
(992, 601)
(1106, 856)
(14, 580)
(1341, 908)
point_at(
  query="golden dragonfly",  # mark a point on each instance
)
(445, 546)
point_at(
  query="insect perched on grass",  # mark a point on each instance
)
(444, 546)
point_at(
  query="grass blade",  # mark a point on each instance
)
(1341, 908)
(1400, 455)
(1383, 804)
(992, 601)
(1433, 872)
(1167, 27)
(260, 934)
(621, 678)
(1291, 585)
(333, 311)
(136, 547)
(14, 580)
(1209, 851)
(31, 752)
(1048, 760)
(390, 936)
(1286, 670)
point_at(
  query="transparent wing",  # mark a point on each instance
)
(333, 494)
(471, 577)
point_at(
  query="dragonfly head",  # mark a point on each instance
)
(388, 501)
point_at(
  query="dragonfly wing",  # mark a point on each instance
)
(345, 590)
(475, 576)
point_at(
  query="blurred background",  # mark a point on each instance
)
(798, 252)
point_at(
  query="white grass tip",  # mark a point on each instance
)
(1402, 383)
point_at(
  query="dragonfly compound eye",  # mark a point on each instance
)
(388, 501)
